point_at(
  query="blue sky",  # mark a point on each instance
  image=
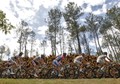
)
(35, 11)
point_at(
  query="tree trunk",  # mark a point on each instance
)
(79, 46)
(25, 48)
(20, 47)
(55, 45)
(1, 56)
(60, 39)
(95, 42)
(116, 40)
(60, 47)
(32, 42)
(108, 47)
(74, 46)
(44, 50)
(63, 42)
(98, 42)
(52, 46)
(20, 42)
(112, 49)
(87, 45)
(31, 49)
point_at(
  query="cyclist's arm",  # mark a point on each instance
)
(109, 59)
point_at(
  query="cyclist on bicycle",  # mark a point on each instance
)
(57, 61)
(15, 60)
(78, 60)
(103, 58)
(38, 61)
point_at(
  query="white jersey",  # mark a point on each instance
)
(78, 59)
(101, 59)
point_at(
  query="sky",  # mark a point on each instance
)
(35, 12)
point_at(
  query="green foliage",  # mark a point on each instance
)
(106, 24)
(114, 15)
(54, 18)
(72, 14)
(83, 28)
(5, 26)
(93, 22)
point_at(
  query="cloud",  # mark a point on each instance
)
(42, 29)
(84, 5)
(12, 8)
(39, 18)
(88, 9)
(111, 1)
(104, 8)
(35, 11)
(93, 2)
(98, 12)
(22, 3)
(96, 7)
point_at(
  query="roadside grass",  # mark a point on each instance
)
(60, 81)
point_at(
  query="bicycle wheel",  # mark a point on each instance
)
(5, 73)
(98, 73)
(114, 72)
(20, 73)
(71, 73)
(52, 73)
(76, 71)
(43, 73)
(88, 73)
(66, 73)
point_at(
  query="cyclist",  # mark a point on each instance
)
(15, 60)
(57, 62)
(58, 59)
(38, 61)
(78, 59)
(103, 58)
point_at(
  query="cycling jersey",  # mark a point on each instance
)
(78, 59)
(101, 58)
(59, 58)
(57, 61)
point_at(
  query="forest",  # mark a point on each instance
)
(103, 31)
